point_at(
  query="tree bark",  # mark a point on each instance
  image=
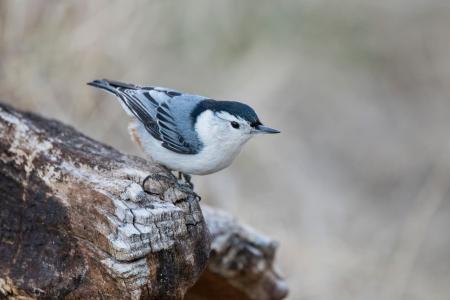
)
(75, 222)
(241, 264)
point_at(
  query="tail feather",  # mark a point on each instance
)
(111, 85)
(103, 84)
(114, 88)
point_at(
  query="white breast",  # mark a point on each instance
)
(218, 152)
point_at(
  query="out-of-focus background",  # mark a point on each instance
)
(355, 189)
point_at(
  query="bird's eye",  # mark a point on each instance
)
(235, 124)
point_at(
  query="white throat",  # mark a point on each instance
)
(221, 144)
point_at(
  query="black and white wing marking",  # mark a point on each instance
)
(160, 111)
(158, 119)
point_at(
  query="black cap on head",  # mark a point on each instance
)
(235, 108)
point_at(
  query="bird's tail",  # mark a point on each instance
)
(116, 88)
(111, 85)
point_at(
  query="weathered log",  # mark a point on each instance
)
(76, 223)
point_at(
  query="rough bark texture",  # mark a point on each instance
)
(241, 263)
(75, 223)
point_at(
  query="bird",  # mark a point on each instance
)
(191, 134)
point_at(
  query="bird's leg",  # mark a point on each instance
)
(186, 177)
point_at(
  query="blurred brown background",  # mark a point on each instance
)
(356, 188)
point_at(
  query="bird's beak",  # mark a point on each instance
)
(264, 129)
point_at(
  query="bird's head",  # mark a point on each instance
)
(228, 121)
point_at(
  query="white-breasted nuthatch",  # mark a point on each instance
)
(186, 133)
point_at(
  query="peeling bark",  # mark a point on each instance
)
(75, 223)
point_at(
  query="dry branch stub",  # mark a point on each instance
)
(241, 264)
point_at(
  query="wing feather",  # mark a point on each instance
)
(154, 108)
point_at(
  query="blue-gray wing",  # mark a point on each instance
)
(173, 116)
(165, 113)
